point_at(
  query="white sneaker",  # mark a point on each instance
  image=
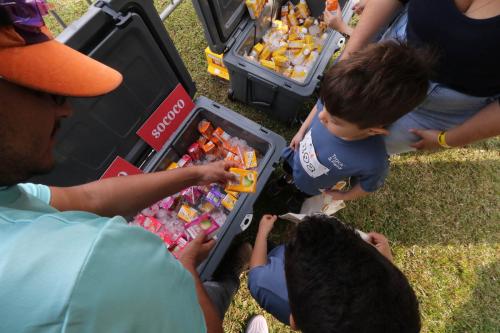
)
(257, 324)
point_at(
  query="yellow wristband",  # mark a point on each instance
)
(442, 140)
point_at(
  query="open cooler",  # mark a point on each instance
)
(229, 30)
(130, 37)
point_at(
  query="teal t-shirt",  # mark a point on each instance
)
(79, 272)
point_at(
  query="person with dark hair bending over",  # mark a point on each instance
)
(327, 279)
(462, 105)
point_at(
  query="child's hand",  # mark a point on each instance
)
(294, 144)
(266, 224)
(381, 243)
(359, 6)
(334, 21)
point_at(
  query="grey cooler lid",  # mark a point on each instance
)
(221, 19)
(130, 37)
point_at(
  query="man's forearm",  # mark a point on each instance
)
(485, 124)
(376, 15)
(212, 320)
(124, 195)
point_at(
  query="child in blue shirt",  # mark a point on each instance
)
(343, 135)
(325, 278)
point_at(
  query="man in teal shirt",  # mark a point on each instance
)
(68, 260)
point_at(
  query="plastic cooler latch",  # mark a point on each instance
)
(118, 17)
(234, 36)
(247, 220)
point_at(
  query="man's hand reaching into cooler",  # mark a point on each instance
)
(216, 172)
(195, 252)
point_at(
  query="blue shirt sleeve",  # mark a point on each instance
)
(267, 285)
(374, 180)
(39, 191)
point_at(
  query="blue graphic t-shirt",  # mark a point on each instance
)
(323, 159)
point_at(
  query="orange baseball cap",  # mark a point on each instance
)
(30, 57)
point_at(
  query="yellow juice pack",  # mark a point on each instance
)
(258, 48)
(250, 159)
(246, 180)
(233, 193)
(268, 64)
(216, 66)
(281, 61)
(229, 201)
(172, 166)
(187, 214)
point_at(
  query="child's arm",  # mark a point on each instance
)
(354, 193)
(294, 144)
(336, 22)
(259, 254)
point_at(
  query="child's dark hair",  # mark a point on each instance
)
(377, 85)
(339, 283)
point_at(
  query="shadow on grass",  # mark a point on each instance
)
(480, 314)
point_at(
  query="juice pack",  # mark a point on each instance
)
(246, 180)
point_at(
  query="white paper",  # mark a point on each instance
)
(308, 158)
(292, 217)
(321, 204)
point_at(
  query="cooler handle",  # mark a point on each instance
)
(259, 82)
(264, 104)
(247, 220)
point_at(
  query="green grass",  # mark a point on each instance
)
(440, 211)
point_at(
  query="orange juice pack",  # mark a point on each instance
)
(221, 135)
(205, 128)
(332, 5)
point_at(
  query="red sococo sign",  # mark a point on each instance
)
(166, 118)
(157, 129)
(120, 167)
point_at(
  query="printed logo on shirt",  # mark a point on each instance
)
(308, 158)
(336, 162)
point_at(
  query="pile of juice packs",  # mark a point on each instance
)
(179, 218)
(293, 43)
(255, 7)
